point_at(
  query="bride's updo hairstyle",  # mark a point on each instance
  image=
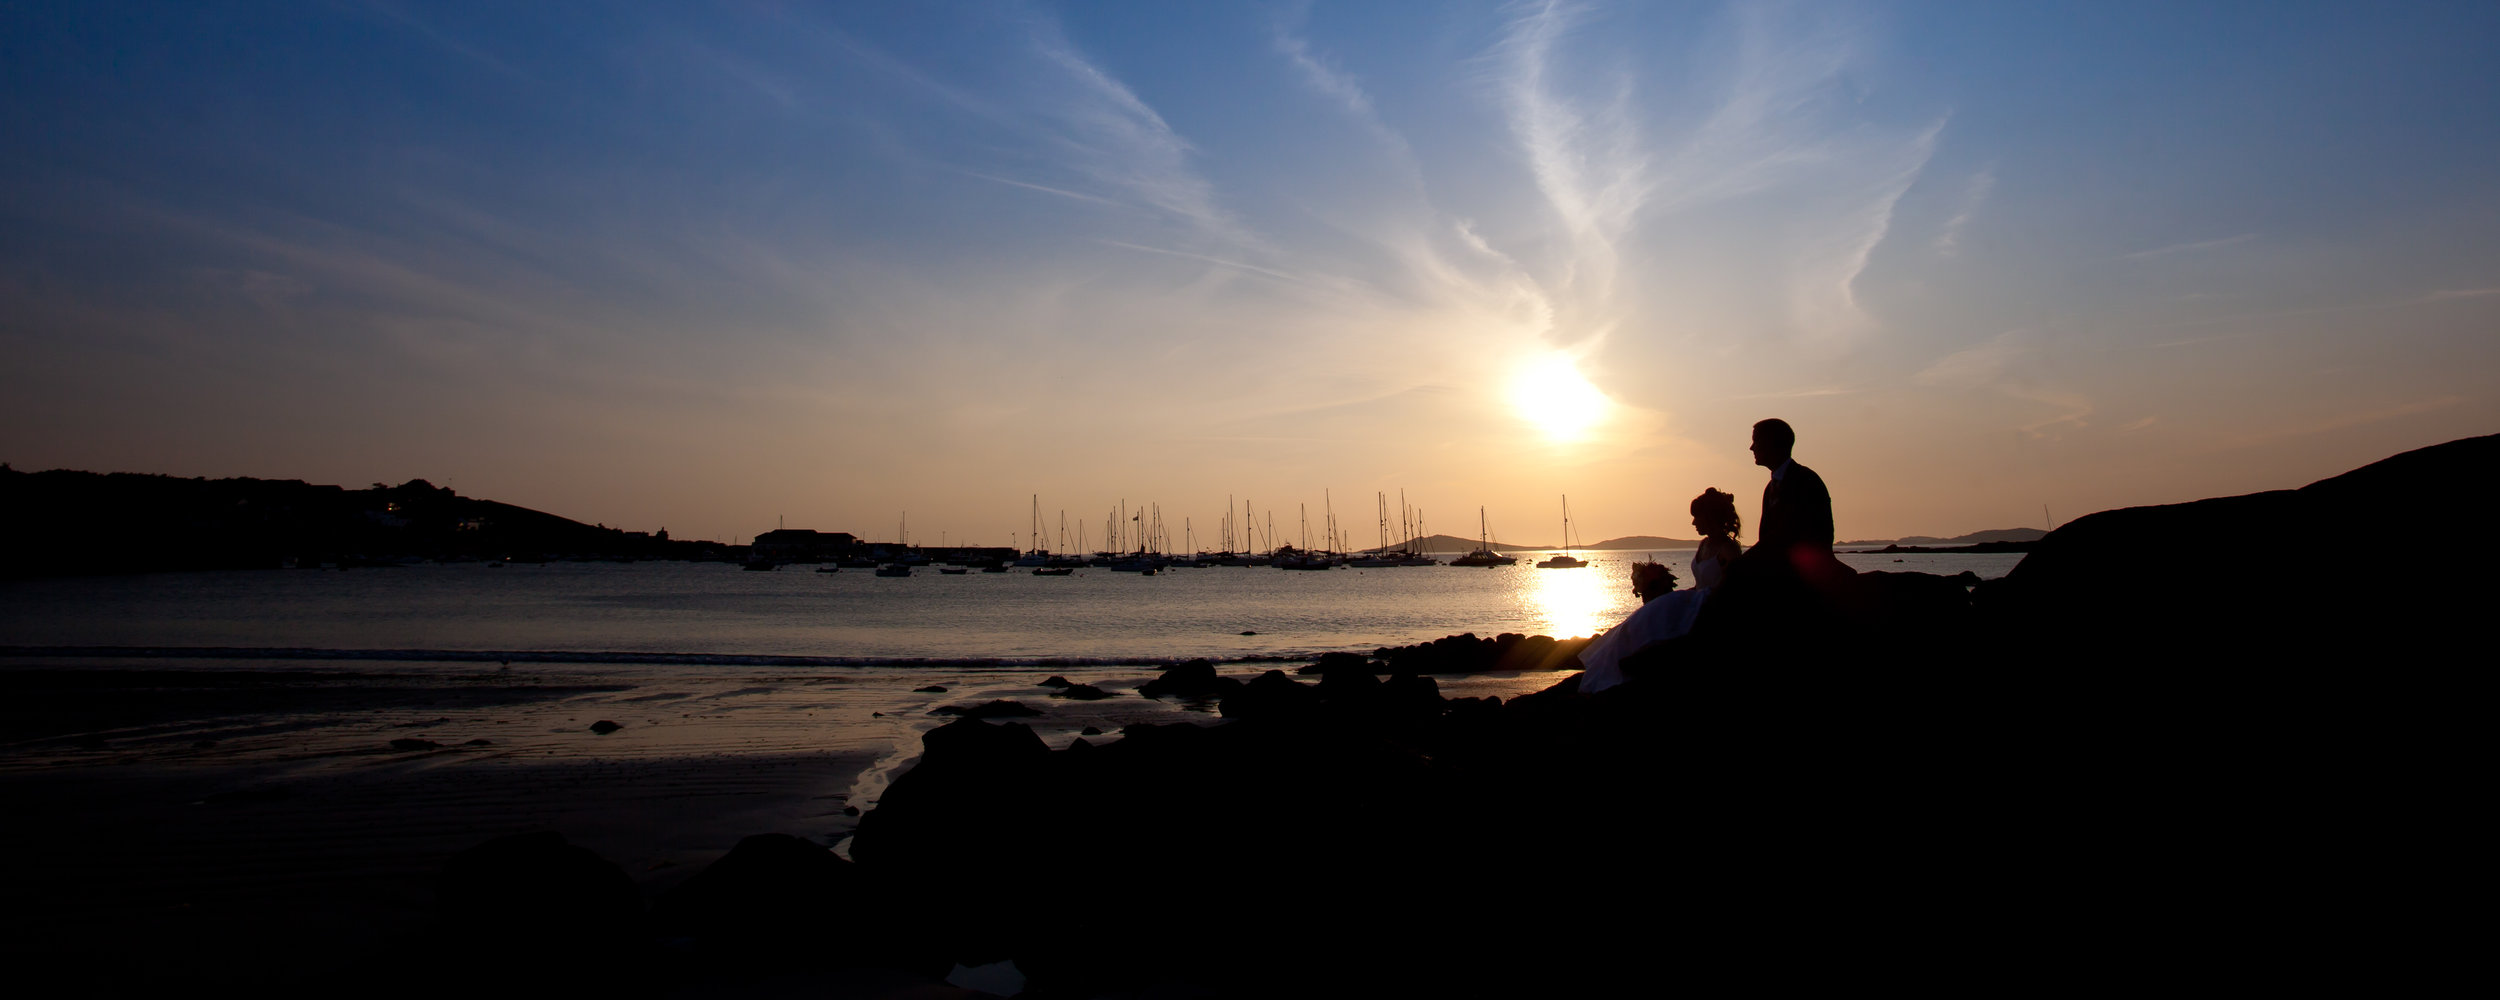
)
(1717, 511)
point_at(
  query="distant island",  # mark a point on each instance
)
(1993, 540)
(1974, 538)
(73, 523)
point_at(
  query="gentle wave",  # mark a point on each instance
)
(501, 656)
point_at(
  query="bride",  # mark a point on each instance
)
(1668, 615)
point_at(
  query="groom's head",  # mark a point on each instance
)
(1773, 439)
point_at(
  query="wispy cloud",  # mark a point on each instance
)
(2199, 246)
(1115, 139)
(2012, 364)
(1838, 313)
(2345, 421)
(1623, 159)
(1218, 261)
(1588, 162)
(1811, 392)
(391, 12)
(1043, 188)
(1319, 75)
(1974, 195)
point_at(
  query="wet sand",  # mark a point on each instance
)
(245, 823)
(253, 822)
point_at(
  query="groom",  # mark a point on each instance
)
(1796, 525)
(1789, 584)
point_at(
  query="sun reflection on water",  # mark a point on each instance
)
(1576, 602)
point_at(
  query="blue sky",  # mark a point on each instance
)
(703, 266)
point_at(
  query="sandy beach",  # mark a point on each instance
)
(273, 823)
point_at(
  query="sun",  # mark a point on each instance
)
(1553, 396)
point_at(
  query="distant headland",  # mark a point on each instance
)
(79, 523)
(73, 523)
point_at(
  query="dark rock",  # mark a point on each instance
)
(970, 774)
(1338, 663)
(779, 902)
(247, 796)
(604, 727)
(1248, 632)
(1536, 652)
(1082, 692)
(2255, 595)
(1271, 696)
(1350, 693)
(407, 743)
(974, 744)
(1455, 654)
(478, 742)
(931, 689)
(534, 904)
(1194, 680)
(1054, 681)
(850, 810)
(988, 710)
(1411, 697)
(1090, 731)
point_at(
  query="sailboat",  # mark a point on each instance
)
(1565, 560)
(1379, 558)
(1413, 519)
(1484, 554)
(1035, 556)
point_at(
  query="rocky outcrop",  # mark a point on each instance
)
(533, 908)
(2231, 579)
(1465, 653)
(777, 902)
(1195, 680)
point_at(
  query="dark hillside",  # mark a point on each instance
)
(70, 522)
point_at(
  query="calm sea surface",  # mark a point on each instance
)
(718, 610)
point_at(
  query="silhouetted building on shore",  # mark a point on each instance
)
(803, 545)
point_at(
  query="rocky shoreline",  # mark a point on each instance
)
(2044, 781)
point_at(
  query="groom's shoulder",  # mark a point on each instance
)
(1798, 471)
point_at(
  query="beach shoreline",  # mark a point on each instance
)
(254, 823)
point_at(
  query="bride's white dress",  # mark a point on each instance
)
(1669, 616)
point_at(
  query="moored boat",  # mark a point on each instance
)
(1484, 554)
(1566, 560)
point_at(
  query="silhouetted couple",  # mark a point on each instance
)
(1782, 580)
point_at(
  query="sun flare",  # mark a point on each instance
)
(1554, 396)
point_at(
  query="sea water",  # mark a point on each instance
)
(694, 613)
(707, 661)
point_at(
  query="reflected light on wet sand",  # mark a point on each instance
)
(1575, 602)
